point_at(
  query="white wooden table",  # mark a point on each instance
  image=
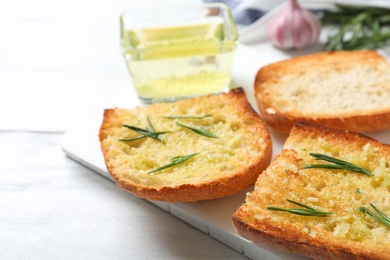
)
(59, 64)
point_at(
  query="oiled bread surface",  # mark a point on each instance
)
(346, 234)
(223, 165)
(339, 89)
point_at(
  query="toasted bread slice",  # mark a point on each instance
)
(347, 90)
(346, 233)
(220, 167)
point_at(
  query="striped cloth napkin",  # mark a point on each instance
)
(252, 16)
(246, 12)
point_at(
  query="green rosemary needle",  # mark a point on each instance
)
(187, 117)
(337, 164)
(150, 124)
(379, 216)
(199, 131)
(304, 211)
(174, 161)
(357, 28)
(144, 132)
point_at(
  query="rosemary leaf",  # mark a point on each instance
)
(144, 132)
(137, 129)
(305, 211)
(337, 164)
(199, 131)
(379, 216)
(174, 161)
(299, 204)
(150, 124)
(302, 212)
(187, 117)
(132, 139)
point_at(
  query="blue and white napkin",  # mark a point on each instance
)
(252, 16)
(246, 12)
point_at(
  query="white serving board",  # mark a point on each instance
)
(212, 217)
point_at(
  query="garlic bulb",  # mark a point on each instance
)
(293, 28)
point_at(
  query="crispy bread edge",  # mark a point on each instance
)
(276, 238)
(356, 123)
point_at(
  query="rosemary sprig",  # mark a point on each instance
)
(305, 211)
(199, 131)
(187, 117)
(337, 164)
(379, 216)
(357, 28)
(144, 132)
(174, 161)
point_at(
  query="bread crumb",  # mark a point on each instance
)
(271, 110)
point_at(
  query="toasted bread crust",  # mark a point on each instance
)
(205, 188)
(357, 123)
(324, 65)
(284, 238)
(307, 235)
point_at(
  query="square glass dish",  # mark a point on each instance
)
(179, 52)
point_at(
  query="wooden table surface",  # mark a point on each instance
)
(60, 63)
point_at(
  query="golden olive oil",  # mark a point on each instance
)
(170, 63)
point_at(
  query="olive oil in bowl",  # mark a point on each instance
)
(182, 60)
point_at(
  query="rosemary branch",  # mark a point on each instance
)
(357, 28)
(304, 211)
(379, 216)
(174, 161)
(337, 164)
(144, 132)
